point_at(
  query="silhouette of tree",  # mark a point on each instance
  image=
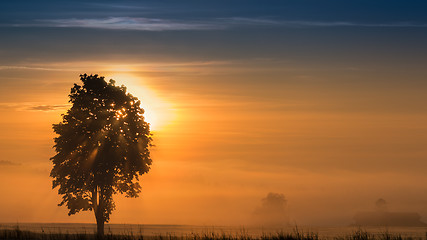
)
(102, 148)
(381, 205)
(273, 210)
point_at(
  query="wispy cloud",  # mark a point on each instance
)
(8, 163)
(117, 66)
(47, 108)
(158, 24)
(11, 67)
(239, 21)
(117, 6)
(348, 24)
(30, 106)
(128, 23)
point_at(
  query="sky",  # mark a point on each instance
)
(321, 101)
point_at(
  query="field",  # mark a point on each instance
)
(295, 234)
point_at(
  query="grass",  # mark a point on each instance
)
(297, 234)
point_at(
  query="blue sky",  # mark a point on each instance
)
(364, 13)
(297, 30)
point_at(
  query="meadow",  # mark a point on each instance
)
(295, 234)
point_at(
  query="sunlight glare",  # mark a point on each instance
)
(158, 113)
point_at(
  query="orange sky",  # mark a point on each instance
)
(220, 151)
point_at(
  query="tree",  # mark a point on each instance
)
(381, 205)
(102, 148)
(273, 210)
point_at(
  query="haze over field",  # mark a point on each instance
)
(322, 101)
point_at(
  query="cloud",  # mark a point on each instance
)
(158, 24)
(301, 23)
(8, 163)
(128, 23)
(122, 66)
(115, 6)
(10, 67)
(47, 108)
(29, 106)
(349, 24)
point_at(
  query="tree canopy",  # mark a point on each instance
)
(102, 148)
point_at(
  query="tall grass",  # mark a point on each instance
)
(296, 234)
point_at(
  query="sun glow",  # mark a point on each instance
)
(158, 113)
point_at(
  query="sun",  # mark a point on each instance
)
(157, 112)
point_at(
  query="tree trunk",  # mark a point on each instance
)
(99, 216)
(100, 227)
